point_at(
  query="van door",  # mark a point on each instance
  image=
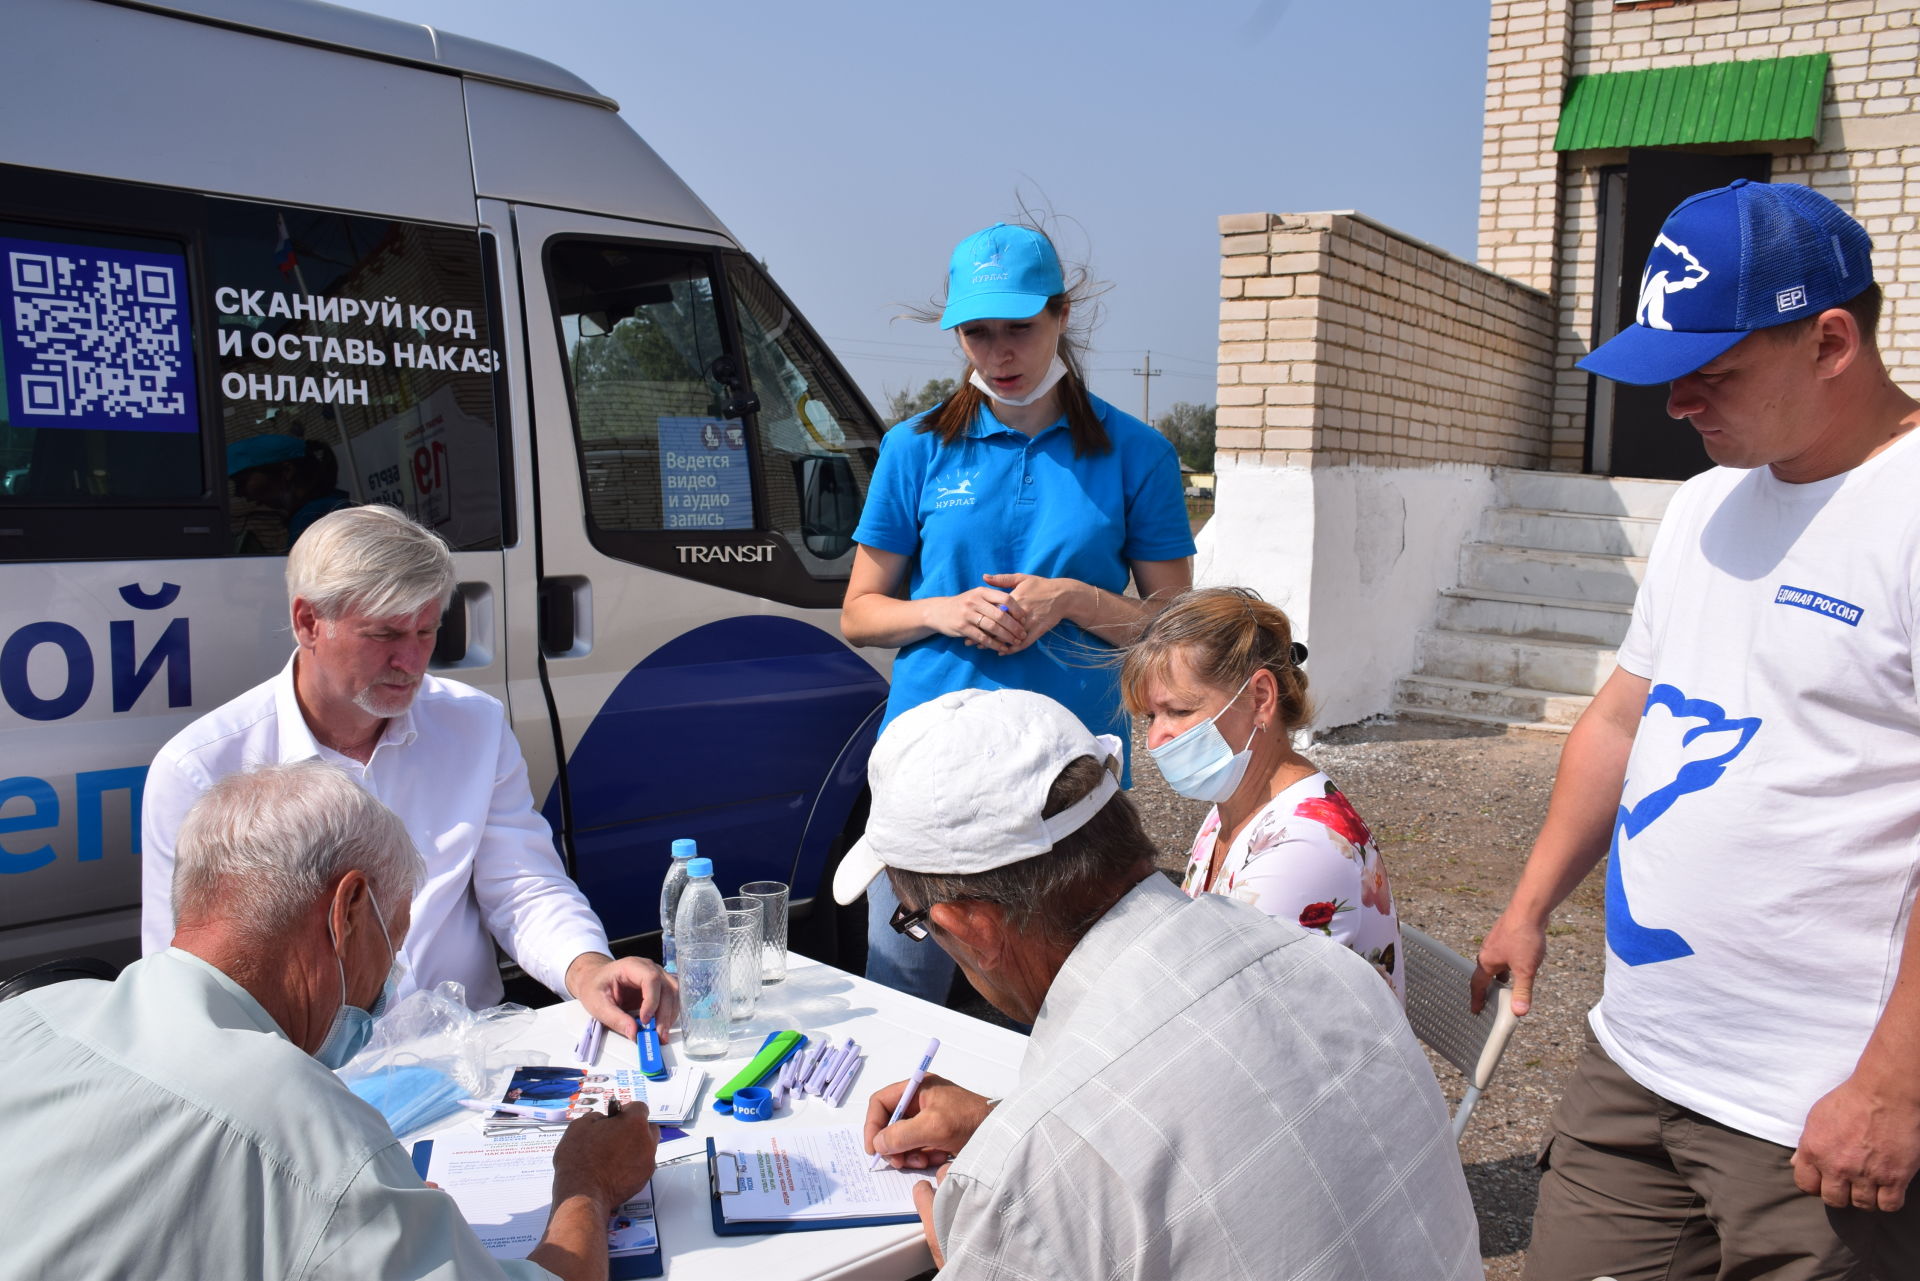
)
(700, 464)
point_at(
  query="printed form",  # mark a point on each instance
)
(813, 1174)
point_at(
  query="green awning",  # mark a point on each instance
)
(1764, 100)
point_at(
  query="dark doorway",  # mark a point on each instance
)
(1629, 433)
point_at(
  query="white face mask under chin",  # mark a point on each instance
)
(1055, 372)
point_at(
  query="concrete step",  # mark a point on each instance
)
(1569, 531)
(1488, 702)
(1578, 576)
(1427, 714)
(1561, 667)
(1467, 609)
(1594, 495)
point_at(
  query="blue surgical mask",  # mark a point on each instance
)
(1199, 763)
(352, 1026)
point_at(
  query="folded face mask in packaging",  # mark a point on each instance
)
(409, 1097)
(429, 1051)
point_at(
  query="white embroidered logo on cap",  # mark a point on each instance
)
(1790, 299)
(1656, 285)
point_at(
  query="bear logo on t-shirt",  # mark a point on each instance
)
(1688, 743)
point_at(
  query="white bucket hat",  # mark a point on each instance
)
(959, 782)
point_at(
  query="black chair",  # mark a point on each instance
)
(51, 972)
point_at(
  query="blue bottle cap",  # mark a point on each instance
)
(699, 867)
(685, 847)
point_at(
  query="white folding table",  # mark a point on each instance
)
(820, 1001)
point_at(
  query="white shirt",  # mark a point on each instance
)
(164, 1126)
(1768, 840)
(1211, 1092)
(450, 768)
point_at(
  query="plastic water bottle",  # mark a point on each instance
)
(700, 946)
(670, 891)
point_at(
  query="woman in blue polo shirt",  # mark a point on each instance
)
(1002, 527)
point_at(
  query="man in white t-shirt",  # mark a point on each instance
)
(1749, 1103)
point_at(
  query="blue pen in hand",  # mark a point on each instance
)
(651, 1062)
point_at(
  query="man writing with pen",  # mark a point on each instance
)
(1208, 1091)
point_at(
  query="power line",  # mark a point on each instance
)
(1146, 374)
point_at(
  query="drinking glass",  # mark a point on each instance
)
(772, 896)
(743, 956)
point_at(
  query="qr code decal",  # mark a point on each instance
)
(93, 337)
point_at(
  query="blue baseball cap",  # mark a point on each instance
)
(1747, 256)
(1002, 273)
(258, 451)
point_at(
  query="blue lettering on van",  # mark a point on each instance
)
(1816, 602)
(91, 788)
(19, 691)
(130, 671)
(43, 812)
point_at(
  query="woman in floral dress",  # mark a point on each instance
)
(1217, 677)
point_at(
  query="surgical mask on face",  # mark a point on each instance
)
(1199, 763)
(1055, 372)
(352, 1026)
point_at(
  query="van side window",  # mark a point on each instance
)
(818, 440)
(356, 361)
(99, 395)
(185, 375)
(641, 337)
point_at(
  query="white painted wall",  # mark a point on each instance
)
(1357, 555)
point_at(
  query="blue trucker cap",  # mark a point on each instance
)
(1742, 257)
(258, 451)
(1002, 273)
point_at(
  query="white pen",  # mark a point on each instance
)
(516, 1109)
(906, 1095)
(836, 1091)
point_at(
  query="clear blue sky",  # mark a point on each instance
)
(852, 143)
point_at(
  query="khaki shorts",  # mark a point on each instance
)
(1640, 1189)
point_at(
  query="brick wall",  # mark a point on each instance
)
(1343, 341)
(1867, 156)
(1528, 58)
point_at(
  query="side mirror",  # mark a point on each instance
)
(829, 505)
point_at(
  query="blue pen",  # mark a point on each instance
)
(651, 1062)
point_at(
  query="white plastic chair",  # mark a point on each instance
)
(1439, 986)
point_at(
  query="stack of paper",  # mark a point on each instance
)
(505, 1192)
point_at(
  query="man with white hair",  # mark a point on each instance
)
(1209, 1091)
(366, 587)
(182, 1121)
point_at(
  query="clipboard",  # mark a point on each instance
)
(767, 1227)
(627, 1267)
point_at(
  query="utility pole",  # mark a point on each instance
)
(1146, 373)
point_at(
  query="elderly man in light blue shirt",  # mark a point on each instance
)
(182, 1121)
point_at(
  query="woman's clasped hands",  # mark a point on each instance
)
(1010, 614)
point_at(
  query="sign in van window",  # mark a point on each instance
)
(705, 479)
(96, 338)
(356, 365)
